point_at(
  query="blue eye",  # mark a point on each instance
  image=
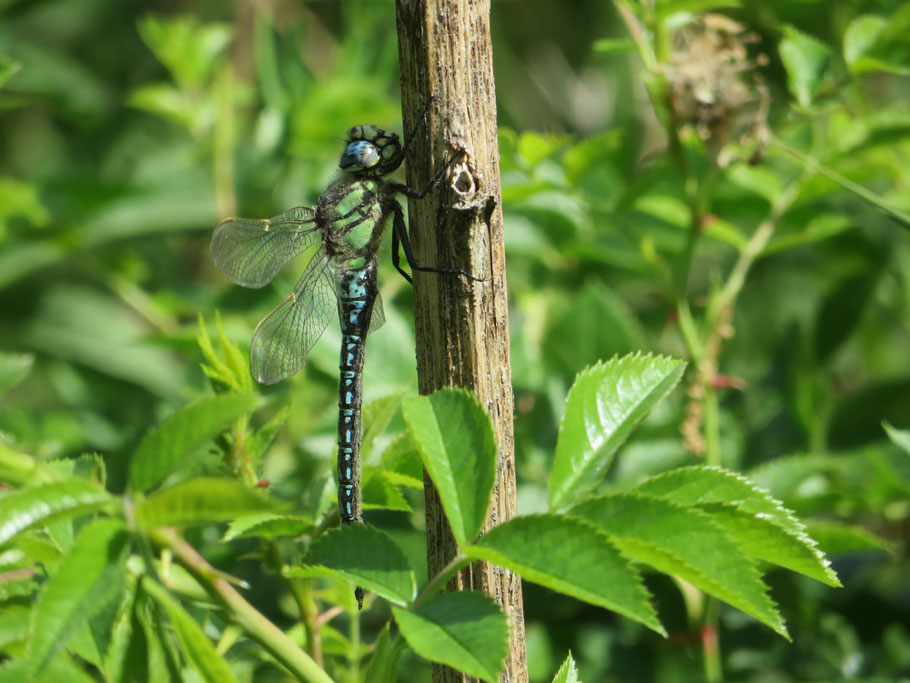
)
(359, 153)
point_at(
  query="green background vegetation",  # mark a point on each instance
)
(748, 214)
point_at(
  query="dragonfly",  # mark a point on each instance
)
(346, 225)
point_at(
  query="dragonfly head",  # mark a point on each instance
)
(371, 151)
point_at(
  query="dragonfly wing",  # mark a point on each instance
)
(251, 252)
(285, 336)
(378, 317)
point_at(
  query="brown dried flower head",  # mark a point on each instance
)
(715, 88)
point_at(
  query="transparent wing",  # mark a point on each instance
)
(285, 336)
(251, 252)
(378, 317)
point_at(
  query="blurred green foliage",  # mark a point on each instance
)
(734, 196)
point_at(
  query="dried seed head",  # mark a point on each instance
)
(715, 88)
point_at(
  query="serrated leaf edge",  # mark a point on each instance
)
(792, 527)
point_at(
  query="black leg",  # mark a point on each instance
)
(430, 186)
(396, 255)
(400, 234)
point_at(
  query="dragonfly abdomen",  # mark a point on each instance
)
(357, 293)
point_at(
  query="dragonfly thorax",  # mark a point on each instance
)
(352, 218)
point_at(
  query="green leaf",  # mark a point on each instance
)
(7, 68)
(128, 653)
(58, 500)
(598, 322)
(842, 310)
(807, 61)
(764, 181)
(818, 229)
(567, 672)
(401, 458)
(379, 491)
(456, 443)
(761, 525)
(765, 540)
(194, 644)
(700, 485)
(604, 405)
(63, 668)
(666, 8)
(76, 323)
(837, 537)
(364, 556)
(570, 556)
(376, 417)
(15, 588)
(263, 436)
(857, 417)
(683, 542)
(384, 662)
(534, 147)
(607, 46)
(200, 501)
(785, 477)
(14, 626)
(188, 49)
(464, 630)
(593, 155)
(900, 437)
(875, 43)
(166, 101)
(38, 546)
(229, 369)
(78, 590)
(81, 644)
(18, 260)
(13, 369)
(183, 432)
(860, 39)
(18, 468)
(88, 466)
(268, 525)
(100, 627)
(20, 198)
(136, 657)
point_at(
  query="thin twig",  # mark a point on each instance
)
(260, 629)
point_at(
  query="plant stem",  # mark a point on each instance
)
(302, 592)
(814, 166)
(753, 249)
(712, 663)
(462, 327)
(717, 319)
(254, 623)
(712, 428)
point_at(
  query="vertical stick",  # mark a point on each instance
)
(462, 326)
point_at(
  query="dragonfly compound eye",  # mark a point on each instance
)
(359, 154)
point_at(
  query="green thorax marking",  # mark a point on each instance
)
(355, 215)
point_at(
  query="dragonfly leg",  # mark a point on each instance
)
(434, 181)
(400, 235)
(396, 254)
